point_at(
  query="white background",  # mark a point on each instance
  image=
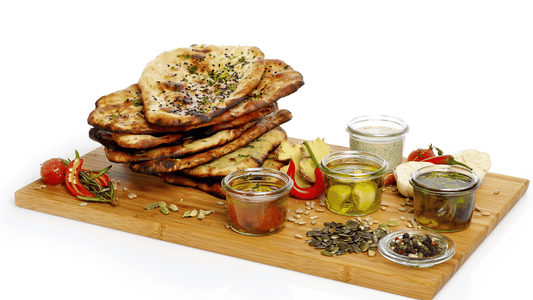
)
(459, 73)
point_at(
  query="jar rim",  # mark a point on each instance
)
(403, 130)
(257, 172)
(384, 165)
(476, 180)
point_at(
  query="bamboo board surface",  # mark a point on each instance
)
(282, 249)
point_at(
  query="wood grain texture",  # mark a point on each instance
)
(282, 249)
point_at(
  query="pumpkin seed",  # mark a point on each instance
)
(151, 206)
(173, 207)
(164, 209)
(485, 213)
(194, 213)
(392, 222)
(351, 237)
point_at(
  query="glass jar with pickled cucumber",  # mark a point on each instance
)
(353, 182)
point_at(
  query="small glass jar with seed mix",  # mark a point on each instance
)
(257, 200)
(444, 197)
(378, 134)
(353, 182)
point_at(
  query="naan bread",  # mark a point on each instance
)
(123, 111)
(187, 147)
(168, 165)
(145, 141)
(148, 141)
(250, 156)
(189, 86)
(272, 163)
(279, 80)
(211, 186)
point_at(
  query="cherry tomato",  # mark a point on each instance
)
(421, 154)
(53, 171)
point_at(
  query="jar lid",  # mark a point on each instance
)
(359, 126)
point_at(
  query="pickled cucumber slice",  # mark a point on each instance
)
(364, 194)
(337, 195)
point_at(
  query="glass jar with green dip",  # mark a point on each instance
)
(444, 197)
(378, 134)
(353, 182)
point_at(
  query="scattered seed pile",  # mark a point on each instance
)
(351, 237)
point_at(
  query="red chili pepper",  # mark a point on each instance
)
(72, 180)
(306, 193)
(445, 160)
(312, 192)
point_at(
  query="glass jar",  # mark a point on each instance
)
(257, 200)
(353, 182)
(378, 134)
(444, 197)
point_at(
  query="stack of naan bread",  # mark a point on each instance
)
(198, 114)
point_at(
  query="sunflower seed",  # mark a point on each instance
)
(201, 215)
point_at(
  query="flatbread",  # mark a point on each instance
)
(148, 141)
(211, 186)
(272, 163)
(249, 156)
(279, 80)
(189, 86)
(187, 147)
(123, 111)
(168, 165)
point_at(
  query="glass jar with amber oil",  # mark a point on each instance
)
(257, 200)
(353, 182)
(444, 197)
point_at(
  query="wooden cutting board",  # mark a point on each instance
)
(283, 249)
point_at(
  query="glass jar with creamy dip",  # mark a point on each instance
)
(379, 134)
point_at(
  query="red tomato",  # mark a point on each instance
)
(53, 171)
(421, 154)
